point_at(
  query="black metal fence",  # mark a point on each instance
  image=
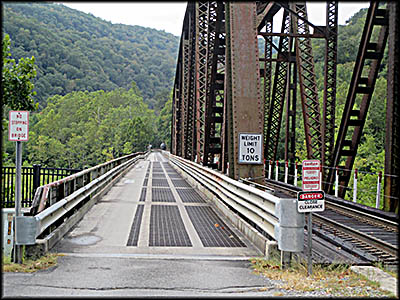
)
(31, 179)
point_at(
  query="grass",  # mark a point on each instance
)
(29, 266)
(333, 280)
(390, 272)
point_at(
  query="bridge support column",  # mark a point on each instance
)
(392, 149)
(242, 85)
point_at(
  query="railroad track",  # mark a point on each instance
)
(368, 234)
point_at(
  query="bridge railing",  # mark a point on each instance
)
(276, 216)
(31, 179)
(48, 194)
(55, 202)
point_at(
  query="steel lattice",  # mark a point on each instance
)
(308, 84)
(275, 109)
(330, 83)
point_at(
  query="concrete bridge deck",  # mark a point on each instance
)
(152, 211)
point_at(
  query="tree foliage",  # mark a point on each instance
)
(87, 128)
(79, 52)
(16, 81)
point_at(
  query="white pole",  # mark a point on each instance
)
(286, 171)
(295, 174)
(269, 169)
(355, 186)
(276, 170)
(337, 182)
(378, 191)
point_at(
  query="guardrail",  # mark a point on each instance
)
(31, 179)
(278, 217)
(55, 200)
(53, 192)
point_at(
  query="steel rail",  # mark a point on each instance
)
(330, 203)
(360, 214)
(50, 215)
(356, 213)
(376, 242)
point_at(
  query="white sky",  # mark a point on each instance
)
(168, 16)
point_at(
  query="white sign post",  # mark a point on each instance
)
(18, 131)
(250, 148)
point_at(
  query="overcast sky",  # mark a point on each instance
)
(168, 16)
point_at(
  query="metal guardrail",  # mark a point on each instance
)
(31, 179)
(276, 216)
(53, 192)
(52, 201)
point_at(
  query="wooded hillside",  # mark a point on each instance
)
(75, 51)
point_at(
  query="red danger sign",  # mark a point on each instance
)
(311, 196)
(311, 175)
(310, 201)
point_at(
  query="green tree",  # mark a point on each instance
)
(87, 128)
(16, 82)
(16, 86)
(164, 122)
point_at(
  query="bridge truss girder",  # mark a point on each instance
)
(211, 69)
(361, 88)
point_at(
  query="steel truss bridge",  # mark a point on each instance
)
(224, 86)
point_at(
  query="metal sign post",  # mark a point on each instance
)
(18, 131)
(310, 199)
(307, 202)
(18, 164)
(309, 243)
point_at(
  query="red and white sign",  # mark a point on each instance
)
(313, 201)
(311, 175)
(18, 126)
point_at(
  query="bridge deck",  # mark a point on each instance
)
(152, 210)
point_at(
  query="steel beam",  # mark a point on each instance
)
(228, 164)
(291, 103)
(392, 149)
(215, 95)
(277, 101)
(329, 104)
(188, 89)
(247, 107)
(308, 84)
(267, 78)
(361, 87)
(201, 52)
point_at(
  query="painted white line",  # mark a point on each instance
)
(159, 256)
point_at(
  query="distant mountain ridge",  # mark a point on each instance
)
(75, 51)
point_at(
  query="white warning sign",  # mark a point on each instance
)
(311, 175)
(18, 126)
(250, 148)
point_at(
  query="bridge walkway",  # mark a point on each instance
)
(153, 211)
